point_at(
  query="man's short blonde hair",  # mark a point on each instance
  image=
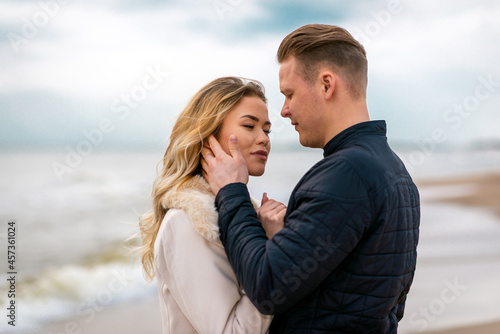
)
(318, 45)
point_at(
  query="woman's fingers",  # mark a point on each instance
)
(264, 199)
(272, 204)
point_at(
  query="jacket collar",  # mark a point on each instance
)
(196, 198)
(344, 138)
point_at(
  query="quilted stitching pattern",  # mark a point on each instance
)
(346, 259)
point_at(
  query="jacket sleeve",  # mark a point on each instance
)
(202, 282)
(277, 273)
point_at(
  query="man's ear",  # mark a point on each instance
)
(328, 81)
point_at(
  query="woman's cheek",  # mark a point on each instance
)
(242, 140)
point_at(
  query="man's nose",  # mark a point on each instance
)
(285, 111)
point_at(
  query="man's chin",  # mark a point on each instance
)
(303, 141)
(307, 143)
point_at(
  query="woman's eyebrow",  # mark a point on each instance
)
(253, 118)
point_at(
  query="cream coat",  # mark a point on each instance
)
(199, 292)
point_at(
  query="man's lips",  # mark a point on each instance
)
(261, 154)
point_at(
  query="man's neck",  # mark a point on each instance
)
(346, 115)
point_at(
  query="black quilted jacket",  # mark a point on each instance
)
(346, 258)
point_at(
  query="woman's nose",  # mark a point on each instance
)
(264, 138)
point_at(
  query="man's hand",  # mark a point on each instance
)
(271, 215)
(221, 169)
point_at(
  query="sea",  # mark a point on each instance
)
(76, 220)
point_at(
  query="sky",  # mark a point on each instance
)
(116, 74)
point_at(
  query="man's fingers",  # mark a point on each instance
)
(234, 147)
(205, 175)
(216, 150)
(204, 168)
(215, 146)
(206, 153)
(220, 168)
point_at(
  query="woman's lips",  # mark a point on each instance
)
(261, 154)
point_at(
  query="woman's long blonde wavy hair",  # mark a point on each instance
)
(202, 117)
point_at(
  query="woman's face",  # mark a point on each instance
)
(249, 121)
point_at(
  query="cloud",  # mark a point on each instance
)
(422, 61)
(96, 52)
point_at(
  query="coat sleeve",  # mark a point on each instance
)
(202, 282)
(277, 273)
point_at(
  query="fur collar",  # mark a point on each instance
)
(198, 201)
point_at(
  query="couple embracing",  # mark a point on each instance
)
(338, 258)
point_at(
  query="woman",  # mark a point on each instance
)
(199, 292)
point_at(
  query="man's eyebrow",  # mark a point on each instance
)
(253, 118)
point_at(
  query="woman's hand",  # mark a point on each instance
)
(271, 215)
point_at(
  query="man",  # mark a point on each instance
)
(345, 258)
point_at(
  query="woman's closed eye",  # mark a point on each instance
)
(266, 131)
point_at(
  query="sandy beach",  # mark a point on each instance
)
(490, 328)
(481, 191)
(131, 318)
(474, 191)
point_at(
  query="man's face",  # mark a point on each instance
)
(302, 104)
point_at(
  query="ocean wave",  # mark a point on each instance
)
(80, 290)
